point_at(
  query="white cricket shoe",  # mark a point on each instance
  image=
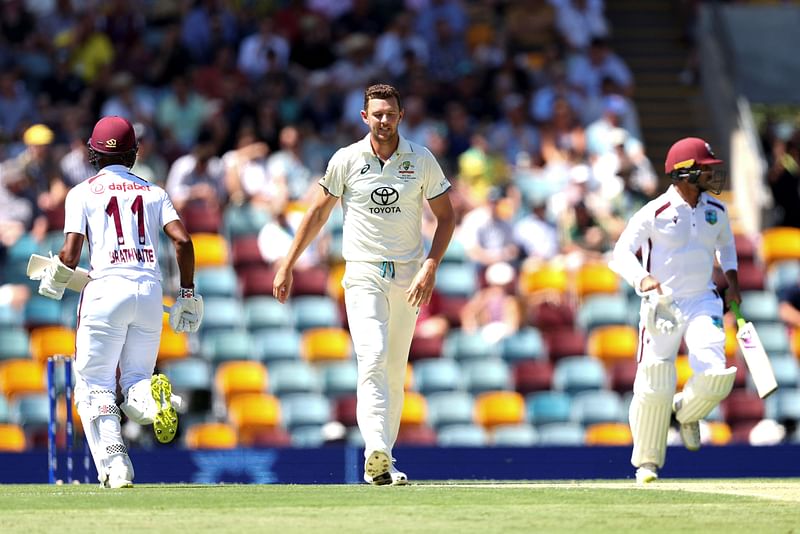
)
(377, 467)
(646, 473)
(120, 474)
(398, 477)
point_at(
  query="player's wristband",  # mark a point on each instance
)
(186, 293)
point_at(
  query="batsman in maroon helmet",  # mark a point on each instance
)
(120, 216)
(681, 235)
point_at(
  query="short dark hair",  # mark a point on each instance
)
(382, 91)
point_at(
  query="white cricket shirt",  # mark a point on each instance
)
(121, 216)
(679, 243)
(382, 204)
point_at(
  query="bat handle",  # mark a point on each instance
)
(740, 321)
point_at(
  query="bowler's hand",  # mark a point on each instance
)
(421, 288)
(282, 285)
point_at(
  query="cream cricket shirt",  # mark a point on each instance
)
(121, 216)
(382, 205)
(679, 243)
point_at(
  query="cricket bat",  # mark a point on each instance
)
(38, 263)
(754, 355)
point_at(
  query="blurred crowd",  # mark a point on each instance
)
(524, 103)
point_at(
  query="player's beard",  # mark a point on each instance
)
(385, 136)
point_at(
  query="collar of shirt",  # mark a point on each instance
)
(403, 147)
(676, 199)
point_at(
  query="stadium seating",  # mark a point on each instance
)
(256, 279)
(10, 317)
(595, 278)
(293, 376)
(752, 276)
(46, 341)
(339, 378)
(41, 311)
(519, 435)
(14, 343)
(5, 415)
(173, 345)
(545, 407)
(760, 307)
(245, 253)
(210, 250)
(199, 217)
(545, 278)
(326, 344)
(459, 279)
(561, 434)
(742, 406)
(276, 344)
(462, 435)
(416, 436)
(252, 412)
(532, 375)
(233, 378)
(334, 283)
(266, 312)
(243, 220)
(455, 253)
(313, 311)
(608, 434)
(774, 337)
(309, 436)
(211, 436)
(786, 369)
(425, 347)
(31, 410)
(782, 275)
(221, 313)
(599, 406)
(310, 281)
(613, 343)
(217, 281)
(434, 375)
(486, 375)
(563, 342)
(579, 373)
(549, 314)
(12, 438)
(784, 405)
(602, 310)
(344, 410)
(622, 375)
(525, 344)
(305, 409)
(779, 243)
(494, 408)
(225, 345)
(462, 346)
(719, 433)
(415, 409)
(21, 377)
(447, 408)
(191, 379)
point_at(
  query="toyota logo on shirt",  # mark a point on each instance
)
(384, 197)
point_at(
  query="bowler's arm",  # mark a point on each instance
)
(313, 221)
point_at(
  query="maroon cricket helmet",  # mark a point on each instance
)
(689, 152)
(113, 135)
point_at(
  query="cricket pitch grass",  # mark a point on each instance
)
(681, 506)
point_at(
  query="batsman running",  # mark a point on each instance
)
(382, 181)
(120, 313)
(681, 234)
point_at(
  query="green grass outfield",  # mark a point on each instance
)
(681, 506)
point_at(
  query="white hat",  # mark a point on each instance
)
(500, 274)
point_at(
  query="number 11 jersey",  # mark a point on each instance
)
(121, 216)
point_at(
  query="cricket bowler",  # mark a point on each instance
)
(680, 233)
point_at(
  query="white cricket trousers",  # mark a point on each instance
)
(119, 324)
(381, 324)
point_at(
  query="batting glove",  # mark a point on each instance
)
(662, 314)
(187, 312)
(55, 278)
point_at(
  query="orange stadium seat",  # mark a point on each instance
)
(409, 383)
(543, 278)
(253, 412)
(240, 377)
(683, 370)
(48, 341)
(608, 434)
(415, 409)
(211, 436)
(20, 377)
(613, 343)
(779, 243)
(173, 345)
(594, 278)
(719, 433)
(494, 408)
(12, 438)
(325, 344)
(210, 250)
